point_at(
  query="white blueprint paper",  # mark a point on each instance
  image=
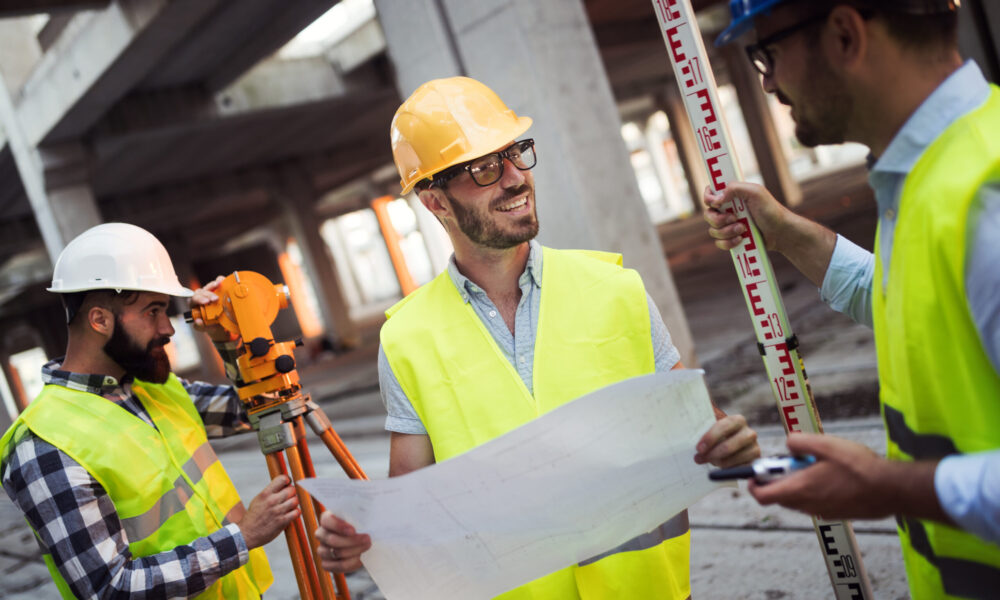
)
(569, 485)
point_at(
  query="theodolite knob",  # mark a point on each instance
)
(259, 347)
(284, 363)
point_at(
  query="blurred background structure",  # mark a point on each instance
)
(253, 134)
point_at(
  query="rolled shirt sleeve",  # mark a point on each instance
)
(847, 285)
(968, 488)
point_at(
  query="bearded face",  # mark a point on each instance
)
(148, 362)
(504, 222)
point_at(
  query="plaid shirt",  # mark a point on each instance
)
(75, 519)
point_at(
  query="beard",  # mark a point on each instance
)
(828, 103)
(482, 228)
(148, 364)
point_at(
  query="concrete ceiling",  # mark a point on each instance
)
(180, 112)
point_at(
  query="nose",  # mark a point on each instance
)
(165, 326)
(767, 82)
(512, 176)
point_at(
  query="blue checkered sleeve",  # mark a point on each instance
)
(75, 521)
(219, 405)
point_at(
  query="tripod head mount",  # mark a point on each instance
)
(248, 303)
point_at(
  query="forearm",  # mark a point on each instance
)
(807, 244)
(907, 488)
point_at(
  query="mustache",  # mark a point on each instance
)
(782, 98)
(510, 195)
(159, 342)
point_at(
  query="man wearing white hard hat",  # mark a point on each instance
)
(111, 464)
(485, 347)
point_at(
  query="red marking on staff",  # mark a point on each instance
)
(666, 10)
(706, 106)
(754, 306)
(767, 334)
(785, 358)
(675, 45)
(790, 421)
(716, 173)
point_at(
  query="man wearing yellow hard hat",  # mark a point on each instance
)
(486, 347)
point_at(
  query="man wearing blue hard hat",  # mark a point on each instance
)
(888, 74)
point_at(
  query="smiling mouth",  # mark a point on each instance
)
(514, 205)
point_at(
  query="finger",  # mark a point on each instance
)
(720, 430)
(817, 444)
(336, 525)
(215, 283)
(726, 453)
(279, 482)
(743, 456)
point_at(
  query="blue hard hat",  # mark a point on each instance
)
(744, 12)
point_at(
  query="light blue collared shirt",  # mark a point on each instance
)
(519, 347)
(968, 486)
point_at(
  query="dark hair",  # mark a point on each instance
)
(913, 31)
(75, 302)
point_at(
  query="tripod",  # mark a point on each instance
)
(278, 410)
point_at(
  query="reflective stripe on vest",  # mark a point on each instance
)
(466, 393)
(939, 389)
(175, 491)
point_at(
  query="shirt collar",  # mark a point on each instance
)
(94, 383)
(961, 92)
(532, 272)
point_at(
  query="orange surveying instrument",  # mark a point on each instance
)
(278, 408)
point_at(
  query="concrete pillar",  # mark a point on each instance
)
(54, 181)
(979, 35)
(541, 58)
(763, 135)
(212, 368)
(298, 196)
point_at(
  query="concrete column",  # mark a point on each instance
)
(763, 135)
(298, 196)
(541, 58)
(212, 368)
(54, 181)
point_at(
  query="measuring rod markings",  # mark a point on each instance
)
(776, 342)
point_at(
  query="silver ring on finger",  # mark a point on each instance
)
(333, 553)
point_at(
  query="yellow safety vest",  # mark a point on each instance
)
(940, 393)
(593, 330)
(167, 484)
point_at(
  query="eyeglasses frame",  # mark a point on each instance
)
(448, 174)
(760, 47)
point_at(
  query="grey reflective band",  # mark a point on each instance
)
(960, 577)
(917, 445)
(203, 458)
(675, 527)
(172, 502)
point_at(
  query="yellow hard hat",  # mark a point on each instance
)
(446, 122)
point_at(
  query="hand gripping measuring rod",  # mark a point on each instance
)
(777, 344)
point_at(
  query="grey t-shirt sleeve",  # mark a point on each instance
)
(664, 352)
(402, 418)
(982, 275)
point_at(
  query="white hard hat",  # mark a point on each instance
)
(116, 256)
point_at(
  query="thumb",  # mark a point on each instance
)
(816, 444)
(279, 482)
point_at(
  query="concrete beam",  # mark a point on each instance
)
(99, 58)
(18, 8)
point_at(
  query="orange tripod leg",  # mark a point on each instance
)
(340, 582)
(305, 577)
(309, 516)
(342, 454)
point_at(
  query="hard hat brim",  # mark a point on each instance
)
(177, 291)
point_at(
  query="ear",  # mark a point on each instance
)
(434, 201)
(847, 40)
(101, 320)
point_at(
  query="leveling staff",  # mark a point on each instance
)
(111, 464)
(512, 330)
(888, 74)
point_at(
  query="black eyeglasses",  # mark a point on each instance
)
(488, 169)
(761, 58)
